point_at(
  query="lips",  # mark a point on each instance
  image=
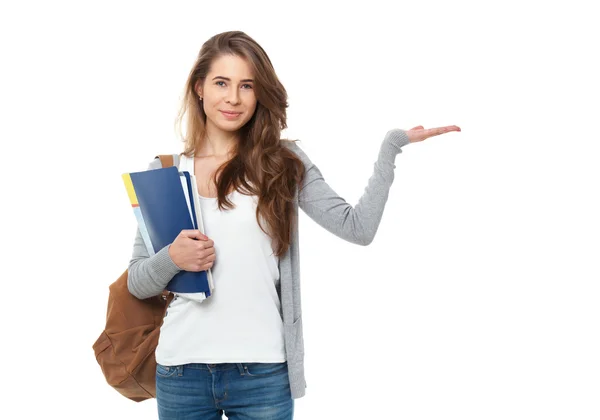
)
(229, 116)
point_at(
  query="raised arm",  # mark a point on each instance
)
(149, 275)
(356, 224)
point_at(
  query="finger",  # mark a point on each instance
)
(448, 128)
(430, 132)
(206, 246)
(440, 130)
(418, 127)
(202, 260)
(193, 233)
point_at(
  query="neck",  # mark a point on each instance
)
(217, 145)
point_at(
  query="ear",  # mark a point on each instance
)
(198, 89)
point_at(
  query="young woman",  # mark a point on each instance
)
(241, 351)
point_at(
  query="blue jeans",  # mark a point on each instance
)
(243, 391)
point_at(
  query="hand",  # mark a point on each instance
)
(418, 133)
(192, 251)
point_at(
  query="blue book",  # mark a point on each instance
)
(165, 209)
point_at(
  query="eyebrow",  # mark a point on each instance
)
(229, 80)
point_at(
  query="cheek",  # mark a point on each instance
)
(253, 108)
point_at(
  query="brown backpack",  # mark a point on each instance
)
(125, 349)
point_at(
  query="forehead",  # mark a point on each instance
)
(230, 66)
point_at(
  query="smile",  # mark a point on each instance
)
(230, 115)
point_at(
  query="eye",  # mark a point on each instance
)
(221, 81)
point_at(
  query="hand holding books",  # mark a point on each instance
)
(192, 251)
(166, 205)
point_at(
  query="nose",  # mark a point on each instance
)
(233, 96)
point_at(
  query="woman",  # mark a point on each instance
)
(241, 351)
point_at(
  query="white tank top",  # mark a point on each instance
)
(241, 321)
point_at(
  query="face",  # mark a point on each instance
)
(228, 87)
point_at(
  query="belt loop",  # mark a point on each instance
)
(240, 368)
(180, 370)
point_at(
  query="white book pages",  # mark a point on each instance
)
(199, 296)
(187, 196)
(143, 230)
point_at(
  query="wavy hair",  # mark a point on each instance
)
(261, 164)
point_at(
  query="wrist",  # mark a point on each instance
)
(170, 253)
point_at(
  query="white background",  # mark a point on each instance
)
(478, 298)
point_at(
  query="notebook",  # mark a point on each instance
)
(165, 201)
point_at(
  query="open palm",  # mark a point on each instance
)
(419, 133)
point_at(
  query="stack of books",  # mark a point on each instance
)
(165, 202)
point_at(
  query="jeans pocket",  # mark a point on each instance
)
(165, 371)
(265, 369)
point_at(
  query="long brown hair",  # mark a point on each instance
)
(261, 164)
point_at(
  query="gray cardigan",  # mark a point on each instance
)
(148, 276)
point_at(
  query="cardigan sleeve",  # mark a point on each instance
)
(356, 224)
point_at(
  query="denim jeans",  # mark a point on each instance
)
(248, 391)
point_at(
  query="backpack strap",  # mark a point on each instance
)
(166, 160)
